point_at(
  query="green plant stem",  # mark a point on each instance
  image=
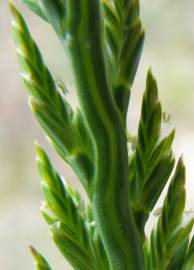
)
(110, 184)
(108, 234)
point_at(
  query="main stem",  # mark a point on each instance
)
(110, 184)
(112, 212)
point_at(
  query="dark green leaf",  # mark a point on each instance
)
(169, 240)
(124, 41)
(152, 162)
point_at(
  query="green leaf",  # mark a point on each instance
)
(65, 212)
(52, 12)
(50, 107)
(40, 262)
(124, 41)
(146, 248)
(36, 8)
(80, 124)
(169, 239)
(71, 248)
(152, 162)
(104, 40)
(178, 246)
(58, 195)
(189, 260)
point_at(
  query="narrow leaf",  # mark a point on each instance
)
(50, 107)
(170, 239)
(40, 262)
(152, 161)
(123, 41)
(64, 210)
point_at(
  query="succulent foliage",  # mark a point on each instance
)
(104, 40)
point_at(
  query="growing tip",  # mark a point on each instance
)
(41, 157)
(180, 161)
(11, 5)
(40, 262)
(150, 73)
(13, 10)
(179, 177)
(33, 251)
(38, 149)
(40, 154)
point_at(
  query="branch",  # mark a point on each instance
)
(152, 162)
(70, 228)
(51, 108)
(169, 241)
(124, 39)
(81, 34)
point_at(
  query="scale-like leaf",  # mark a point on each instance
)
(152, 161)
(123, 41)
(189, 260)
(36, 8)
(178, 246)
(169, 241)
(64, 211)
(104, 39)
(49, 10)
(48, 105)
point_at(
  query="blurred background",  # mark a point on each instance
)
(169, 50)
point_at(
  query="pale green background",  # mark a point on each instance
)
(169, 49)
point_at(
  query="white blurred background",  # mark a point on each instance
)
(169, 50)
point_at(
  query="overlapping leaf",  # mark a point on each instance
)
(123, 40)
(49, 10)
(71, 229)
(169, 241)
(72, 224)
(152, 161)
(50, 107)
(189, 260)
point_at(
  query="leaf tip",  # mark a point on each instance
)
(151, 86)
(12, 8)
(33, 251)
(40, 261)
(38, 149)
(150, 76)
(181, 162)
(173, 132)
(41, 156)
(16, 18)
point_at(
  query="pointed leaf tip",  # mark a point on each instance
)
(149, 72)
(150, 75)
(39, 152)
(12, 8)
(38, 148)
(16, 17)
(40, 262)
(151, 87)
(173, 133)
(33, 251)
(41, 156)
(181, 167)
